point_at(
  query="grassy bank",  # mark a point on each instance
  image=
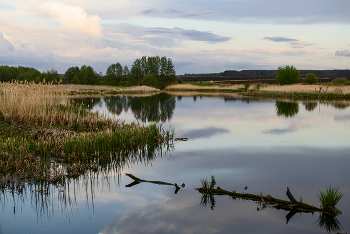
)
(45, 138)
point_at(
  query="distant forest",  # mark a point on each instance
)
(161, 69)
(272, 73)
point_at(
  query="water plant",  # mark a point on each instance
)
(208, 186)
(330, 199)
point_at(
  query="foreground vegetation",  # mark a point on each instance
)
(46, 139)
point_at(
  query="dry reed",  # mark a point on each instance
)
(105, 145)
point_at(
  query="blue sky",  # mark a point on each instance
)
(199, 36)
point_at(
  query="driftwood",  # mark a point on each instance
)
(321, 90)
(293, 205)
(138, 180)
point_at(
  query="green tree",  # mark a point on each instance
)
(136, 72)
(75, 79)
(50, 76)
(125, 76)
(114, 74)
(149, 80)
(88, 76)
(287, 75)
(310, 78)
(70, 74)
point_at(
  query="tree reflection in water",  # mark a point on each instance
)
(287, 109)
(155, 108)
(310, 106)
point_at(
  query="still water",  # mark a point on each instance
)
(264, 145)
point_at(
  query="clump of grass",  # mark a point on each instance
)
(330, 199)
(208, 186)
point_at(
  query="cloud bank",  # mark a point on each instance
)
(345, 53)
(74, 19)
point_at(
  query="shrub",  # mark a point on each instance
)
(195, 79)
(180, 81)
(339, 81)
(258, 85)
(149, 80)
(246, 86)
(310, 78)
(287, 75)
(347, 83)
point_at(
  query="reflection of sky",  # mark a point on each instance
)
(241, 144)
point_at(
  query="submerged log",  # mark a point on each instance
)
(292, 205)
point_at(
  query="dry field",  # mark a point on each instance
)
(272, 88)
(189, 87)
(305, 88)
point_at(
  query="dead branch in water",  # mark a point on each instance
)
(138, 180)
(293, 205)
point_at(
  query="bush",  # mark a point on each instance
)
(180, 81)
(310, 78)
(258, 85)
(246, 86)
(339, 81)
(149, 80)
(287, 75)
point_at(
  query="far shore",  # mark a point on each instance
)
(253, 90)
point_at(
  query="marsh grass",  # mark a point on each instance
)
(47, 141)
(330, 199)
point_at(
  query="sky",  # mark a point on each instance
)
(199, 36)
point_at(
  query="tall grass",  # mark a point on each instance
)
(41, 104)
(110, 146)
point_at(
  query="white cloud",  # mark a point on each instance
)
(74, 18)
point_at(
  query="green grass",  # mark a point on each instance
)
(330, 198)
(208, 186)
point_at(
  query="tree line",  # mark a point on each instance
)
(160, 71)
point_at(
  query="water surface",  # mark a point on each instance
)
(264, 145)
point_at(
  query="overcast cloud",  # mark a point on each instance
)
(200, 37)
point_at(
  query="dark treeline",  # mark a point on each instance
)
(273, 73)
(161, 69)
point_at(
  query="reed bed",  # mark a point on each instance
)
(66, 140)
(190, 87)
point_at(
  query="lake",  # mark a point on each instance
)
(249, 145)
